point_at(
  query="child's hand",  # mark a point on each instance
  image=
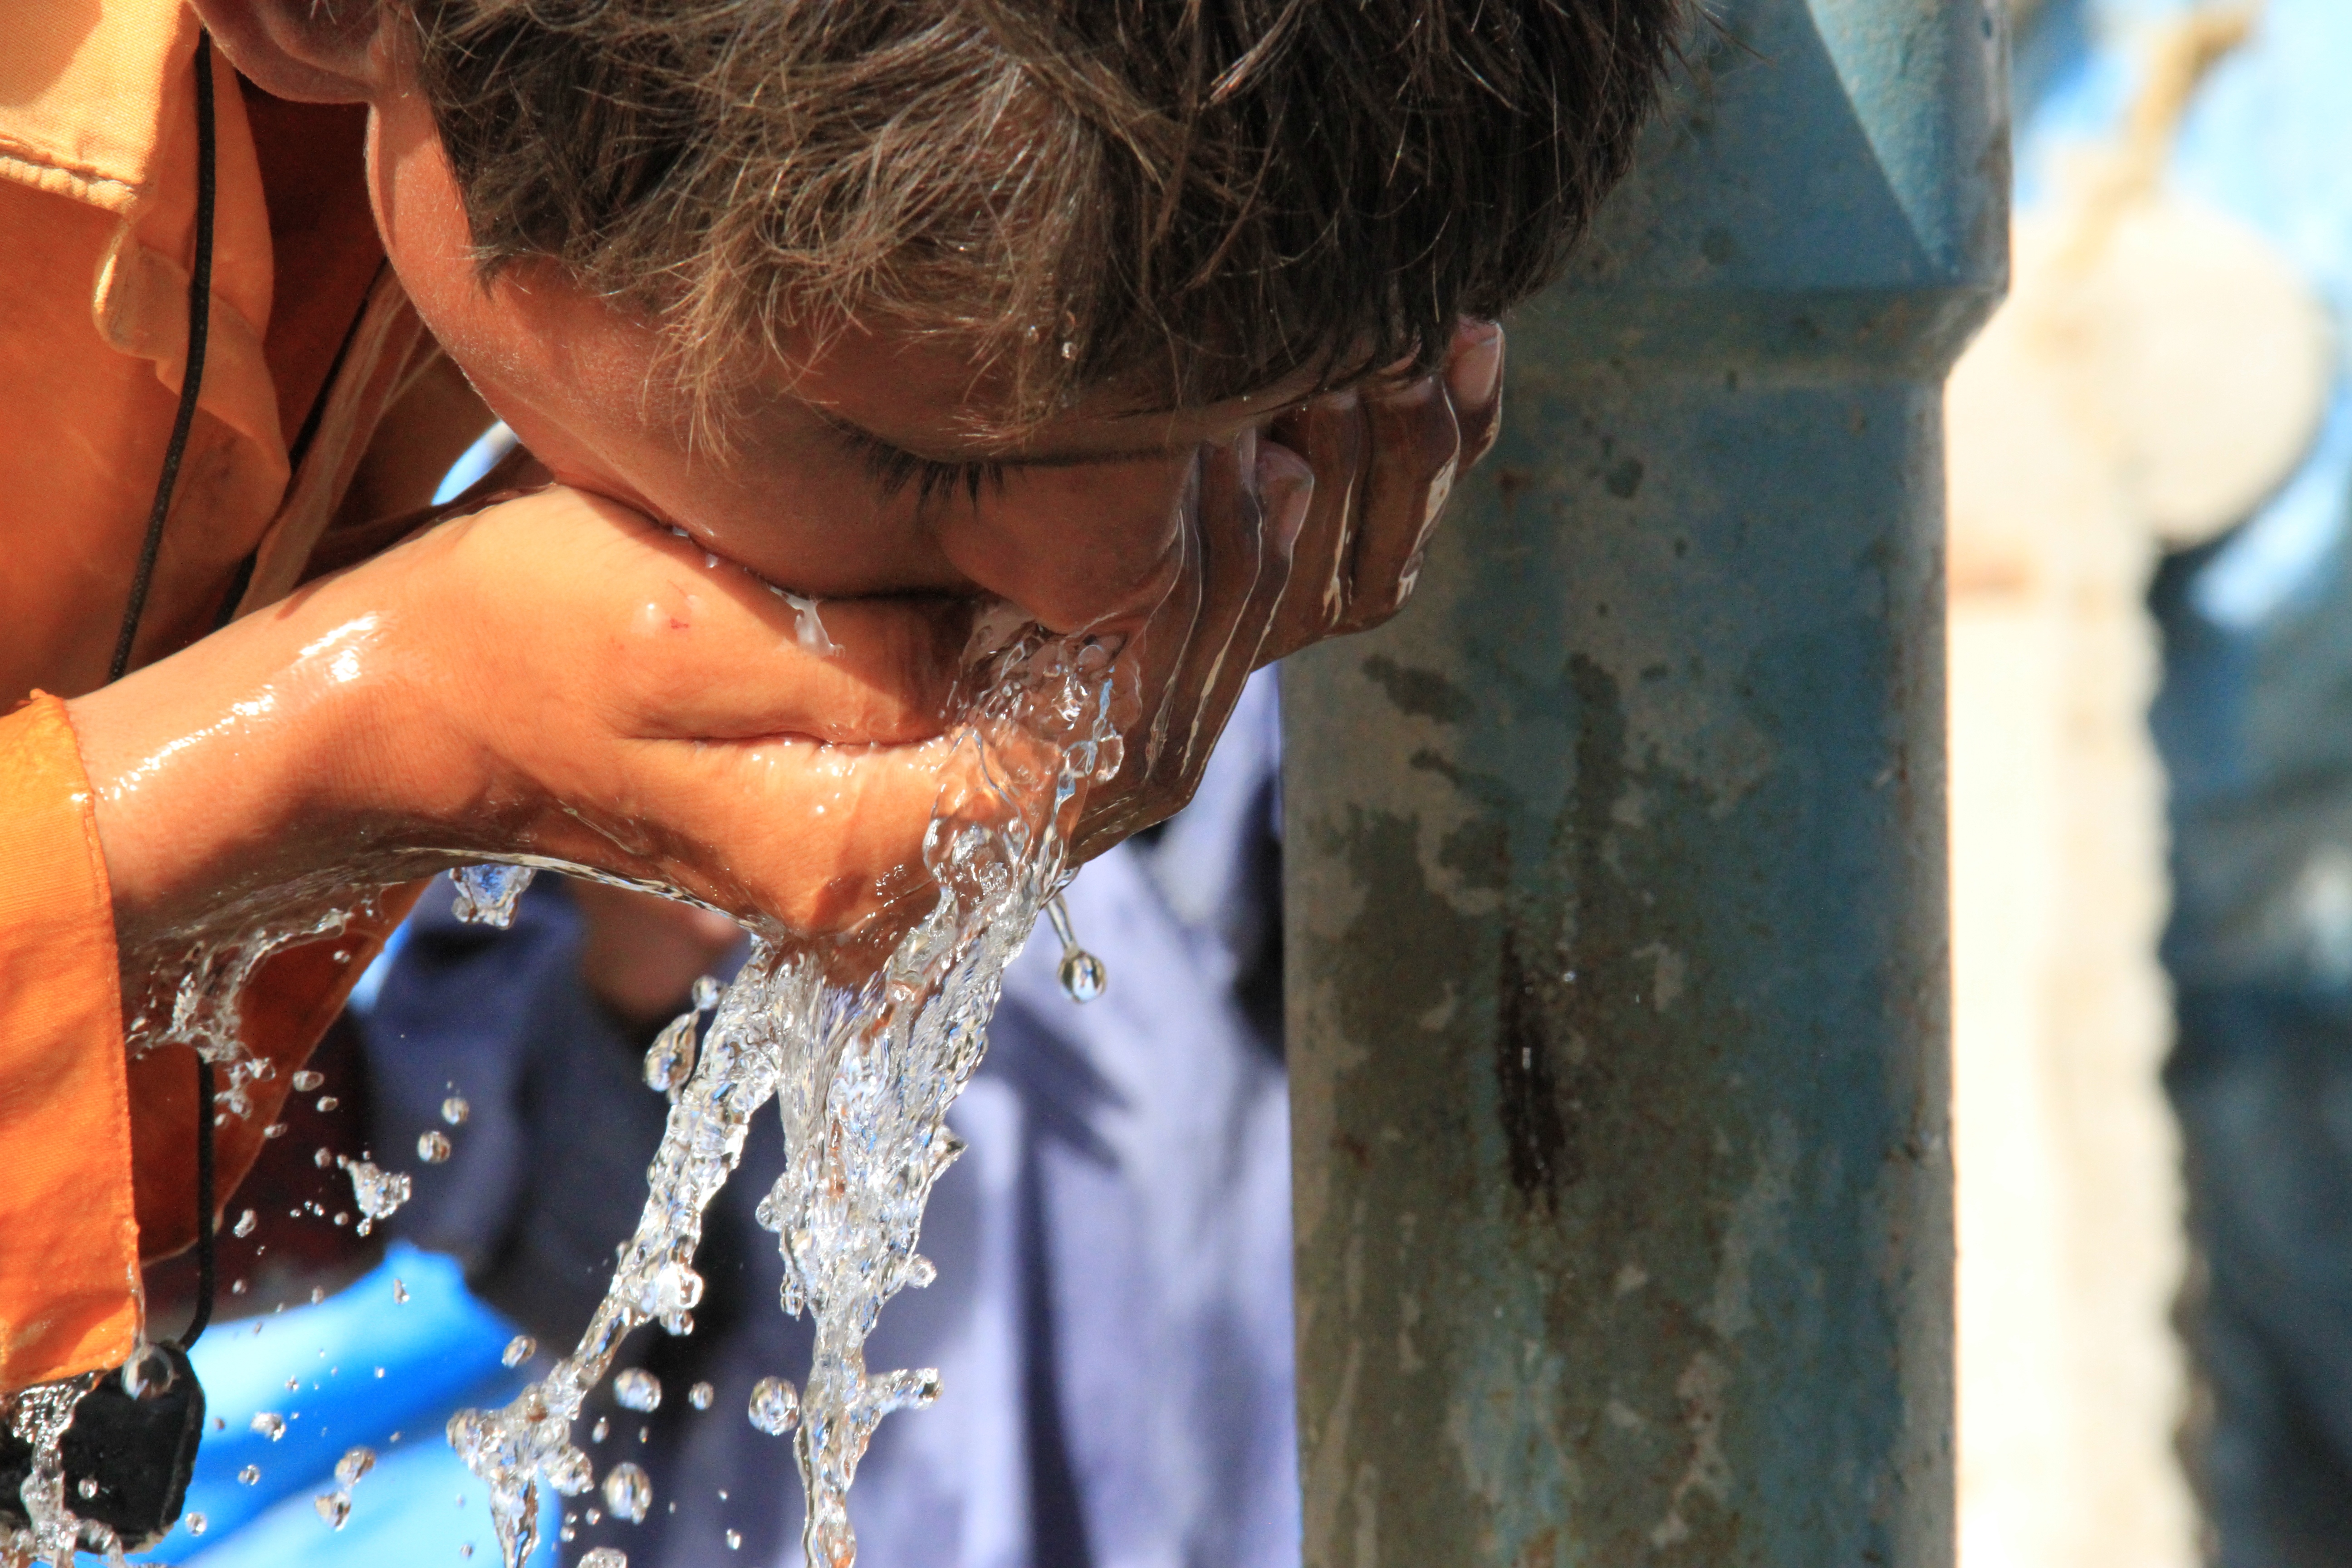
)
(1313, 531)
(554, 677)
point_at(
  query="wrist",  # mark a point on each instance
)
(251, 765)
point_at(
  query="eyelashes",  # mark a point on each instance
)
(894, 470)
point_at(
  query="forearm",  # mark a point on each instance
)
(247, 773)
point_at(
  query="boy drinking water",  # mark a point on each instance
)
(1168, 320)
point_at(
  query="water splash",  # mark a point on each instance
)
(862, 1077)
(487, 894)
(204, 1009)
(379, 1193)
(38, 1417)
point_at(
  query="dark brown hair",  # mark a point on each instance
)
(1194, 197)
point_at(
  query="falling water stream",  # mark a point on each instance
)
(862, 1073)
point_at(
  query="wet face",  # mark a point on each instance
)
(851, 468)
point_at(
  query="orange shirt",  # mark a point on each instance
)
(312, 344)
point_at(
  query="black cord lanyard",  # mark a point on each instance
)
(131, 1445)
(200, 303)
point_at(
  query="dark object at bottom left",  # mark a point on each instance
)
(140, 1450)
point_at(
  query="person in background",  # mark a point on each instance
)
(2253, 720)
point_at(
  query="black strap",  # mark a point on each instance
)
(206, 1263)
(200, 305)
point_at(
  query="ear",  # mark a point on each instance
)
(311, 51)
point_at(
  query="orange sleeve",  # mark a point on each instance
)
(69, 1244)
(98, 1155)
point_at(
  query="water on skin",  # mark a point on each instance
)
(863, 1078)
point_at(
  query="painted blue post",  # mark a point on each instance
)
(1616, 877)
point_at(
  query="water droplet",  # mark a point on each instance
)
(673, 1293)
(669, 1060)
(250, 1476)
(734, 1540)
(520, 1349)
(197, 1522)
(487, 895)
(245, 1223)
(465, 1549)
(454, 1110)
(355, 1463)
(87, 1487)
(328, 1102)
(306, 1081)
(706, 993)
(379, 1193)
(775, 1405)
(400, 1292)
(323, 1157)
(1083, 977)
(570, 1472)
(604, 1557)
(601, 1430)
(335, 1508)
(431, 1146)
(275, 1129)
(700, 1395)
(637, 1389)
(293, 1386)
(629, 1492)
(270, 1424)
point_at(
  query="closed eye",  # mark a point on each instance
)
(894, 469)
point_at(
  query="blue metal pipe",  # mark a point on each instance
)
(1616, 908)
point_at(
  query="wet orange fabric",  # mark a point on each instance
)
(97, 222)
(67, 1242)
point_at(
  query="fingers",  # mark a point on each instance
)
(1474, 385)
(810, 839)
(668, 641)
(1415, 441)
(1415, 448)
(1247, 534)
(1331, 435)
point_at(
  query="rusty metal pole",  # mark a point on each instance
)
(1616, 870)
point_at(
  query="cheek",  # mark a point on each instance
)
(1074, 546)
